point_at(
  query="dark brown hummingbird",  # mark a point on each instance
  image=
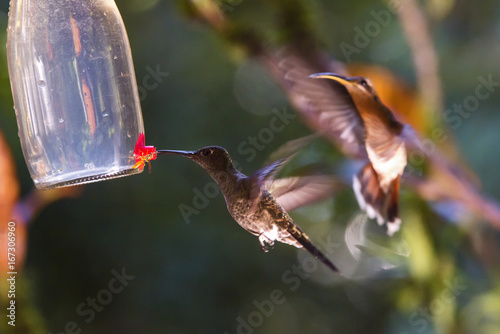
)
(259, 203)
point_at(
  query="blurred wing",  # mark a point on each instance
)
(266, 174)
(325, 105)
(412, 139)
(259, 177)
(355, 234)
(294, 192)
(291, 147)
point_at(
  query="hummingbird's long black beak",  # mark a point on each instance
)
(187, 154)
(332, 76)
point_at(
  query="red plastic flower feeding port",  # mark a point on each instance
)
(143, 154)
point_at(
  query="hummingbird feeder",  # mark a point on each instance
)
(74, 89)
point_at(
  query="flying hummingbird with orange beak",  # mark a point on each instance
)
(377, 185)
(348, 110)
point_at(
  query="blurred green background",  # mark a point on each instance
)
(209, 275)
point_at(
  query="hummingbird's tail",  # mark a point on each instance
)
(317, 254)
(306, 243)
(377, 203)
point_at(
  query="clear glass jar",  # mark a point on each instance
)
(74, 88)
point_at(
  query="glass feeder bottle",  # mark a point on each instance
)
(74, 89)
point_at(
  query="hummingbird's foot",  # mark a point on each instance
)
(266, 244)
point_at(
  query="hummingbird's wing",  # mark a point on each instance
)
(288, 150)
(256, 181)
(325, 105)
(294, 192)
(267, 173)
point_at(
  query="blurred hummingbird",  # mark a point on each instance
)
(364, 121)
(349, 111)
(259, 203)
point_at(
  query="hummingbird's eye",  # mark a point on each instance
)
(206, 152)
(364, 83)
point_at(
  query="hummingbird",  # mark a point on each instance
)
(384, 139)
(259, 203)
(350, 112)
